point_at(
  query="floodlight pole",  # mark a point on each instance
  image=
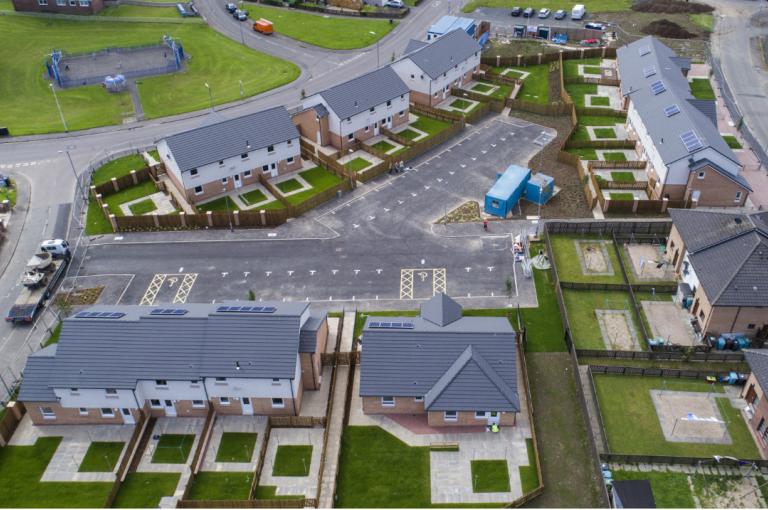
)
(242, 91)
(229, 218)
(377, 49)
(58, 106)
(210, 95)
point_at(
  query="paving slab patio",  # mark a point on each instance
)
(315, 403)
(293, 485)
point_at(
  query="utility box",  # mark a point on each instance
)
(507, 191)
(539, 189)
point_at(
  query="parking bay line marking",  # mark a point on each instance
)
(154, 287)
(186, 286)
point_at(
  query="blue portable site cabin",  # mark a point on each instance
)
(508, 189)
(539, 189)
(449, 24)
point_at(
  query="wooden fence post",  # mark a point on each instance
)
(209, 215)
(155, 220)
(635, 202)
(263, 215)
(236, 216)
(135, 179)
(114, 184)
(183, 218)
(113, 222)
(664, 204)
(519, 58)
(540, 58)
(498, 60)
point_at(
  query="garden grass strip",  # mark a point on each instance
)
(702, 89)
(621, 196)
(605, 133)
(219, 205)
(529, 478)
(289, 185)
(101, 457)
(173, 449)
(358, 164)
(383, 146)
(600, 101)
(732, 142)
(292, 460)
(236, 447)
(623, 176)
(221, 485)
(615, 156)
(253, 197)
(144, 207)
(144, 490)
(490, 476)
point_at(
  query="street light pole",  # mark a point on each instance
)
(210, 94)
(226, 204)
(242, 91)
(377, 49)
(58, 106)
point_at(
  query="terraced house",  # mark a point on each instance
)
(431, 69)
(677, 134)
(357, 109)
(215, 159)
(113, 363)
(457, 371)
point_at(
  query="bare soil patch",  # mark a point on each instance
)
(668, 321)
(79, 297)
(617, 329)
(690, 417)
(671, 7)
(666, 28)
(466, 212)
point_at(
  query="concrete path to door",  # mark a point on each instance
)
(253, 424)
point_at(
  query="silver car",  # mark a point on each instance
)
(544, 13)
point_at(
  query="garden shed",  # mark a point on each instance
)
(508, 189)
(539, 188)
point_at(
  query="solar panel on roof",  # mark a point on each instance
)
(649, 71)
(657, 87)
(374, 325)
(391, 325)
(671, 110)
(247, 309)
(168, 311)
(691, 141)
(99, 315)
(644, 50)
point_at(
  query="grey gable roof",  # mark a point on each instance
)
(364, 92)
(308, 335)
(729, 252)
(444, 53)
(34, 386)
(665, 131)
(708, 107)
(441, 310)
(414, 45)
(758, 363)
(115, 353)
(230, 138)
(456, 359)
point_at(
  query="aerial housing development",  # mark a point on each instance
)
(383, 254)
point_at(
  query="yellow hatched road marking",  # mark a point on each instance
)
(154, 287)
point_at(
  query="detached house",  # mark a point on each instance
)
(454, 370)
(723, 258)
(688, 159)
(431, 69)
(356, 109)
(218, 158)
(113, 363)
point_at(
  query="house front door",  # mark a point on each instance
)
(375, 129)
(127, 416)
(170, 409)
(238, 182)
(493, 418)
(247, 406)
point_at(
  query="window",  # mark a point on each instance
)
(224, 181)
(83, 411)
(273, 166)
(422, 76)
(761, 426)
(481, 415)
(289, 143)
(155, 403)
(450, 416)
(701, 174)
(418, 399)
(47, 413)
(61, 3)
(412, 76)
(275, 382)
(198, 190)
(161, 382)
(111, 391)
(73, 391)
(290, 160)
(198, 404)
(221, 380)
(750, 326)
(402, 112)
(42, 2)
(107, 412)
(402, 96)
(85, 3)
(701, 315)
(247, 173)
(372, 109)
(244, 155)
(278, 403)
(72, 3)
(389, 104)
(194, 384)
(351, 136)
(738, 196)
(224, 401)
(271, 148)
(388, 401)
(367, 128)
(265, 168)
(193, 172)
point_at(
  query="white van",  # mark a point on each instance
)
(58, 248)
(578, 12)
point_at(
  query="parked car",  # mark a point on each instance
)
(560, 39)
(578, 12)
(591, 42)
(231, 8)
(594, 25)
(516, 11)
(263, 26)
(240, 15)
(544, 13)
(397, 4)
(529, 12)
(560, 14)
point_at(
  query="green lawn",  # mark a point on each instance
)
(143, 207)
(117, 168)
(482, 88)
(586, 153)
(490, 476)
(218, 205)
(592, 6)
(581, 133)
(702, 89)
(732, 142)
(253, 197)
(6, 5)
(95, 221)
(536, 85)
(383, 146)
(288, 185)
(621, 195)
(632, 426)
(529, 478)
(101, 456)
(567, 259)
(428, 125)
(670, 489)
(127, 195)
(377, 470)
(20, 470)
(140, 11)
(605, 133)
(501, 93)
(409, 134)
(358, 164)
(460, 104)
(236, 447)
(336, 33)
(591, 69)
(616, 156)
(544, 327)
(577, 91)
(509, 72)
(704, 20)
(27, 105)
(600, 101)
(292, 460)
(320, 179)
(623, 176)
(9, 193)
(581, 305)
(173, 449)
(214, 485)
(144, 490)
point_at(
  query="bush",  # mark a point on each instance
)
(666, 28)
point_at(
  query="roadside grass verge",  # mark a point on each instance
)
(141, 11)
(117, 168)
(704, 20)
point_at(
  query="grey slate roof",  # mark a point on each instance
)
(229, 138)
(364, 92)
(308, 335)
(441, 310)
(706, 106)
(445, 52)
(469, 364)
(634, 493)
(729, 253)
(414, 45)
(665, 131)
(758, 363)
(115, 353)
(34, 387)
